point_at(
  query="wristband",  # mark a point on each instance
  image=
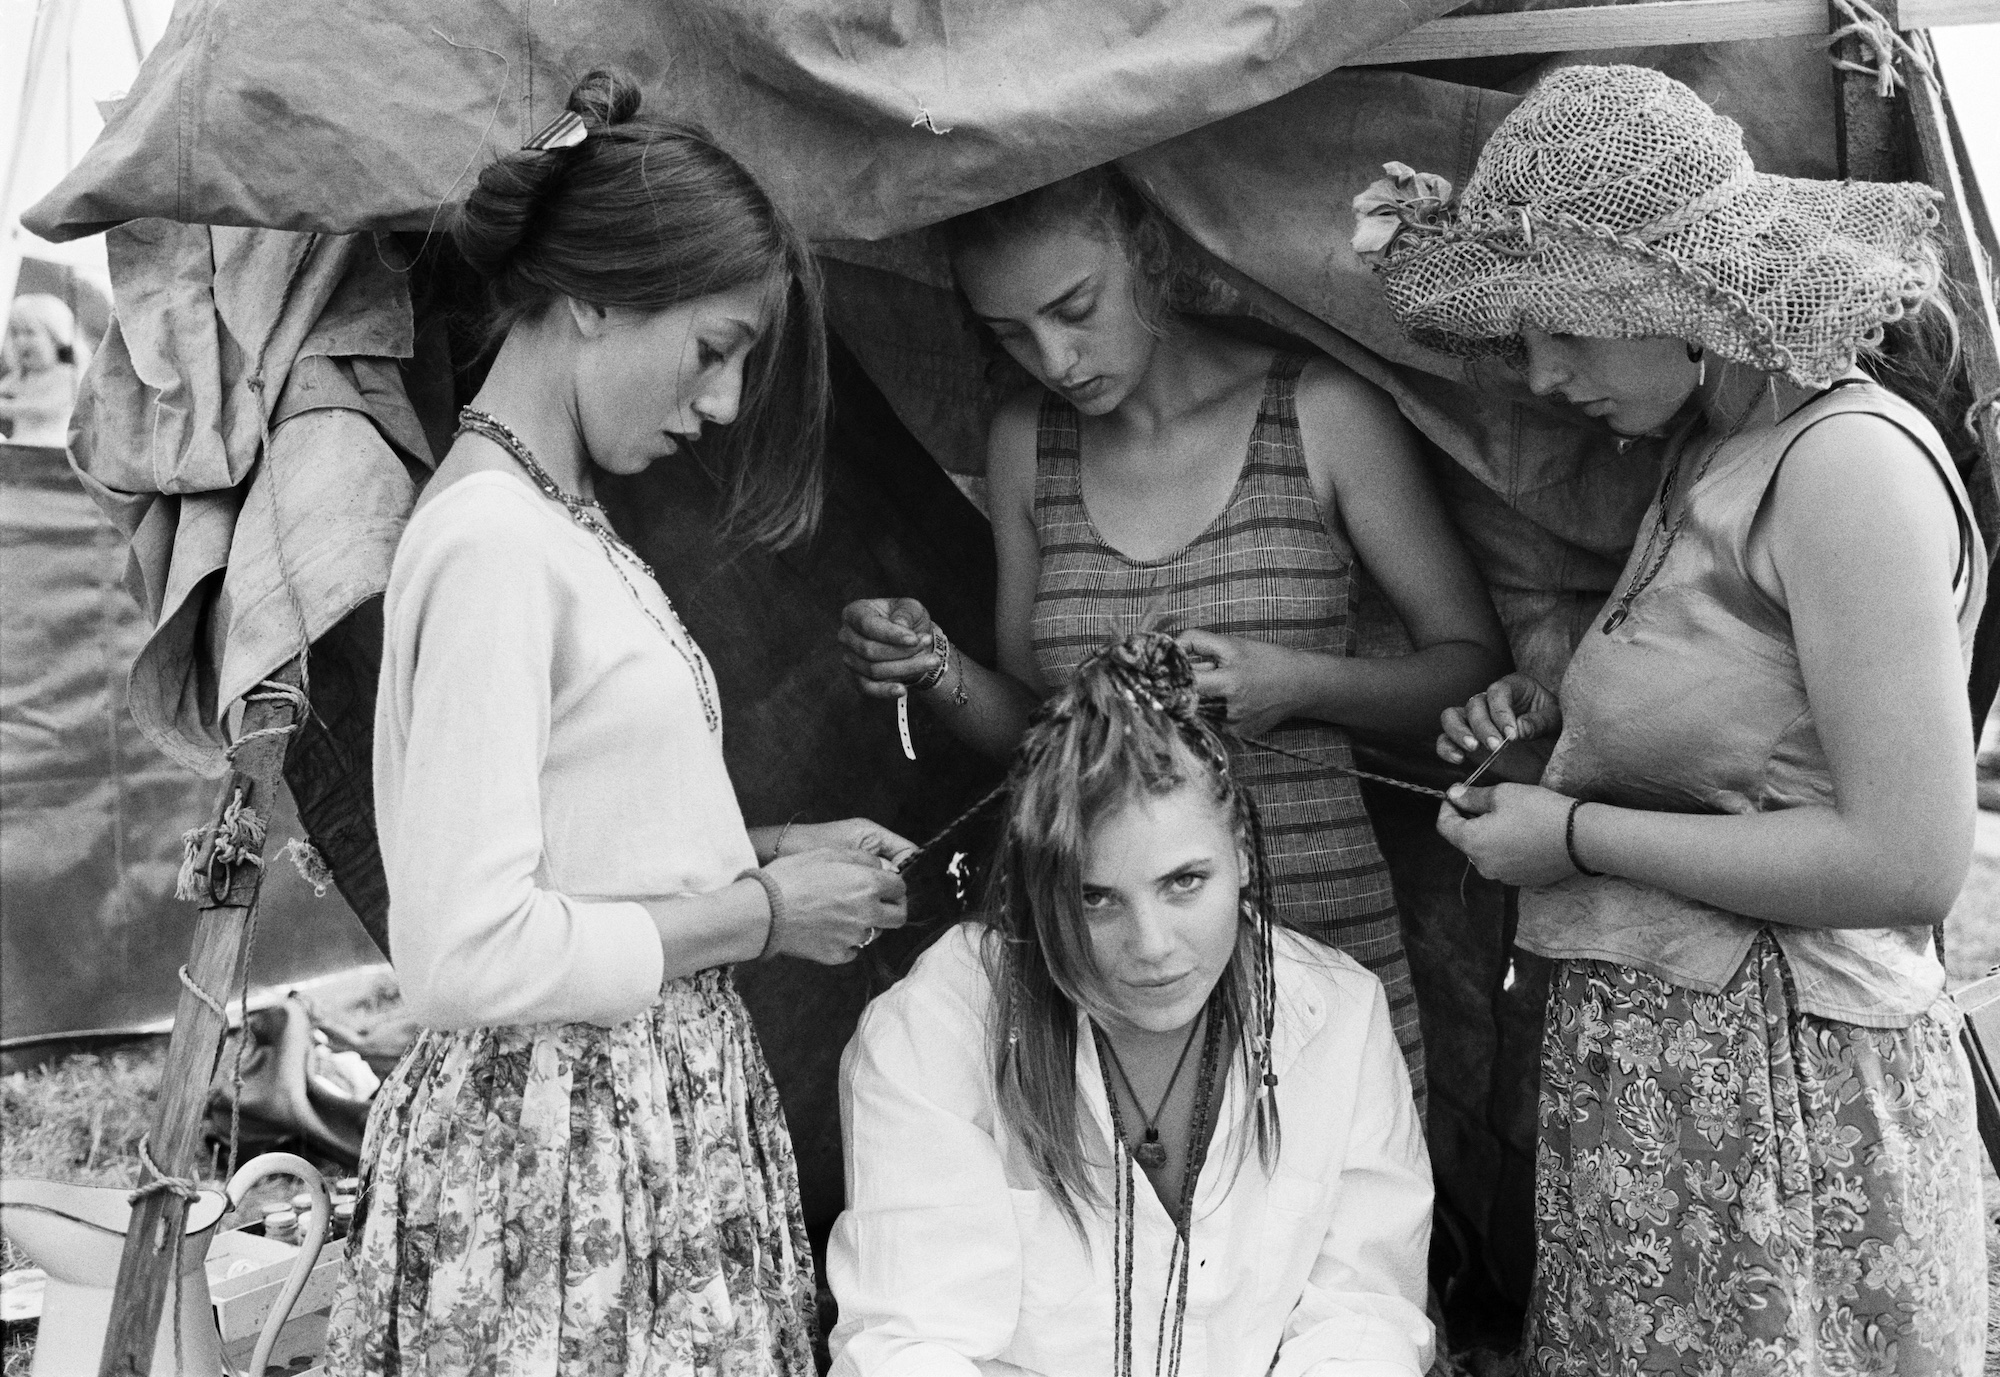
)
(1569, 841)
(940, 643)
(774, 896)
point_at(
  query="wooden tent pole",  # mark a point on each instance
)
(145, 1272)
(1867, 138)
(1978, 330)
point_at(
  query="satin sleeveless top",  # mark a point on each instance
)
(1696, 704)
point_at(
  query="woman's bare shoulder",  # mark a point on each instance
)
(1011, 446)
(1337, 396)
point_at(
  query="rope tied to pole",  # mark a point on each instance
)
(236, 838)
(189, 1190)
(1883, 46)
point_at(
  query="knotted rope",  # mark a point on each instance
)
(1885, 48)
(236, 838)
(162, 1184)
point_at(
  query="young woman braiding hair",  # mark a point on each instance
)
(582, 1165)
(1094, 1071)
(1758, 1147)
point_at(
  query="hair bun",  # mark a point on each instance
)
(605, 97)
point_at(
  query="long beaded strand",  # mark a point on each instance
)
(615, 549)
(1124, 1188)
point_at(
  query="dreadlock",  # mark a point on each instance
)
(1129, 724)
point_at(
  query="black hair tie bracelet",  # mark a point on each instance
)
(1569, 841)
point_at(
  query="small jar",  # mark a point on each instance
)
(343, 1218)
(282, 1224)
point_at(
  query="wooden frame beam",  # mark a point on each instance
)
(1663, 22)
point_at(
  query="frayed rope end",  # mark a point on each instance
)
(312, 866)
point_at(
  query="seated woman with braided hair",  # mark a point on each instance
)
(1065, 1150)
(1758, 1149)
(1166, 475)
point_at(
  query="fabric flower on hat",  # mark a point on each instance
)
(1389, 205)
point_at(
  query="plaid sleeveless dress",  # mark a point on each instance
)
(1271, 567)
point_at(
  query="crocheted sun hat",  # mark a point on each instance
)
(1613, 202)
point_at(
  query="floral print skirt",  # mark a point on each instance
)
(568, 1199)
(1727, 1185)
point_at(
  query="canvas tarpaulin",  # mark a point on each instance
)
(91, 814)
(220, 338)
(871, 121)
(865, 117)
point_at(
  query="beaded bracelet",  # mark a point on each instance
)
(774, 896)
(958, 694)
(934, 676)
(1569, 841)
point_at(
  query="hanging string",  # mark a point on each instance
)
(188, 1190)
(242, 1038)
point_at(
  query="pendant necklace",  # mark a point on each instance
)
(1151, 1153)
(615, 549)
(1664, 532)
(1124, 1201)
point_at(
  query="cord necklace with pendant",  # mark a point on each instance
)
(1665, 532)
(1150, 1153)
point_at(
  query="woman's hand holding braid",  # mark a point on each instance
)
(1515, 833)
(1256, 680)
(848, 834)
(1515, 707)
(835, 901)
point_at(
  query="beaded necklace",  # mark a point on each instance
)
(1124, 1194)
(615, 549)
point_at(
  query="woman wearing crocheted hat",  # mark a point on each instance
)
(1758, 1146)
(1065, 1149)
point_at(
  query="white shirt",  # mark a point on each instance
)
(951, 1260)
(541, 761)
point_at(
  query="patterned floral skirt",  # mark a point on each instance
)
(568, 1199)
(1726, 1185)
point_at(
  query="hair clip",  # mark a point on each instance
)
(566, 130)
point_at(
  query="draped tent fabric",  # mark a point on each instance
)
(315, 130)
(865, 117)
(91, 813)
(239, 557)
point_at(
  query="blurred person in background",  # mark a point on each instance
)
(40, 370)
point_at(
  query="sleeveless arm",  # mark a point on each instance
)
(998, 701)
(1368, 472)
(463, 728)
